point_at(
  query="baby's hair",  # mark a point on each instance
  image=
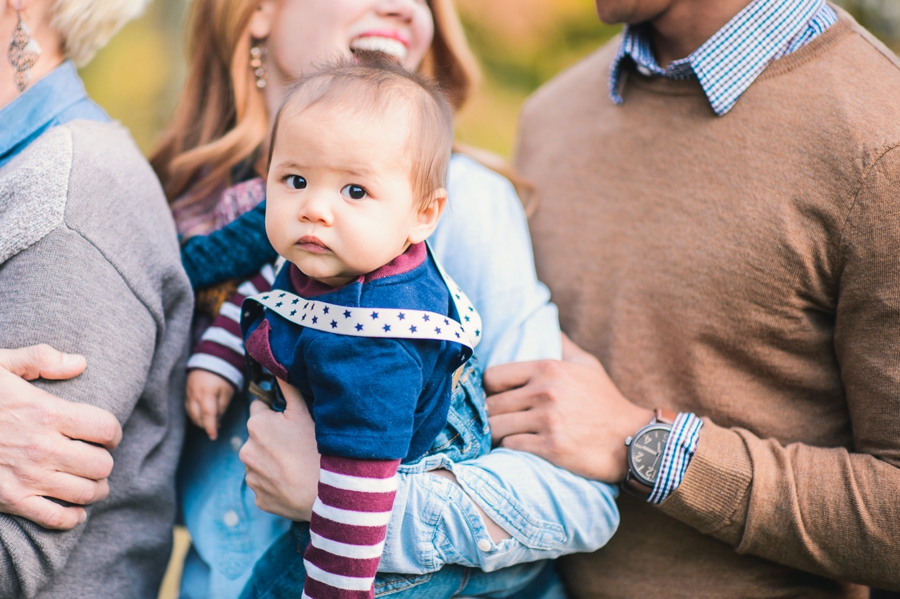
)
(372, 83)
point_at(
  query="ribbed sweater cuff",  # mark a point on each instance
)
(715, 483)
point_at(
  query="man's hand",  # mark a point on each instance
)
(281, 457)
(569, 413)
(45, 442)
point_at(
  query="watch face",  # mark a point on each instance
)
(646, 452)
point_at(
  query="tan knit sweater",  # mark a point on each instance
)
(745, 268)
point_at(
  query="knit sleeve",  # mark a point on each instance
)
(235, 251)
(831, 511)
(104, 282)
(365, 394)
(221, 348)
(90, 311)
(348, 526)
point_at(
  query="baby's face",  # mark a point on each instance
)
(339, 201)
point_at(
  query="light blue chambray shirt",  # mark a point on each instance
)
(55, 99)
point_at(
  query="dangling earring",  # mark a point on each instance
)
(23, 53)
(257, 58)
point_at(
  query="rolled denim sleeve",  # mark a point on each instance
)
(548, 512)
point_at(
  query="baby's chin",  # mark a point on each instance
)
(326, 274)
(329, 267)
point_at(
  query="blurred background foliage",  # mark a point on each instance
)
(520, 43)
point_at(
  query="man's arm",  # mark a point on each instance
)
(832, 511)
(64, 292)
(828, 510)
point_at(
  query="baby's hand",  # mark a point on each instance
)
(208, 396)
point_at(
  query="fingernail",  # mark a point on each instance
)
(71, 359)
(82, 517)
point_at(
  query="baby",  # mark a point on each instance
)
(361, 319)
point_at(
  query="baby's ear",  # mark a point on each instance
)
(428, 216)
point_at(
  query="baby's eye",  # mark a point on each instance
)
(295, 182)
(354, 192)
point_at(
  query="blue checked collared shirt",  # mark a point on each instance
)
(731, 60)
(726, 65)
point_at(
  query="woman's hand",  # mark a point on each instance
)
(281, 457)
(569, 413)
(46, 443)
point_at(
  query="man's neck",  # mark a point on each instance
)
(686, 24)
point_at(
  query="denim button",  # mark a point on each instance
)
(231, 519)
(484, 545)
(644, 70)
(236, 443)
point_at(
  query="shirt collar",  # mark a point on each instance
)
(37, 108)
(728, 63)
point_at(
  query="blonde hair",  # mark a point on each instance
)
(221, 118)
(87, 25)
(375, 85)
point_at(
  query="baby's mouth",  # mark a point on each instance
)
(312, 244)
(376, 43)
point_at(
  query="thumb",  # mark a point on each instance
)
(575, 355)
(41, 361)
(292, 397)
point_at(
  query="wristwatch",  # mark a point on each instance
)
(645, 453)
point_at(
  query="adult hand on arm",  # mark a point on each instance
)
(281, 457)
(569, 413)
(47, 444)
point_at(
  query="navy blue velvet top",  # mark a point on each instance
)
(370, 398)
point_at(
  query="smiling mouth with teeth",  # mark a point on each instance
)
(386, 45)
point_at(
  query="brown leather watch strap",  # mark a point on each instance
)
(636, 488)
(665, 416)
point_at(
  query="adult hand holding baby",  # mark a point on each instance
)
(50, 447)
(281, 457)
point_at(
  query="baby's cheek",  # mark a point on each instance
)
(278, 232)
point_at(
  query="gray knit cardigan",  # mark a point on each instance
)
(89, 263)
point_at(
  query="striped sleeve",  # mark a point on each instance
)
(680, 448)
(221, 348)
(348, 527)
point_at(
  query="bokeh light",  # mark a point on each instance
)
(520, 44)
